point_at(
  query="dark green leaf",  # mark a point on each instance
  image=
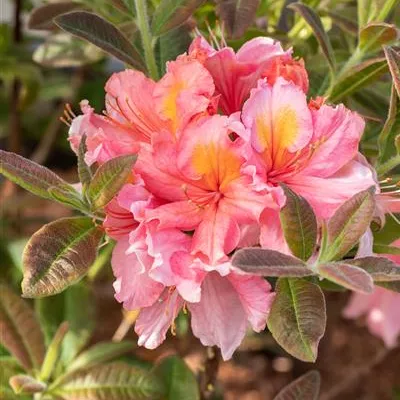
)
(42, 16)
(347, 225)
(20, 332)
(58, 255)
(297, 318)
(299, 225)
(375, 35)
(25, 384)
(170, 14)
(304, 388)
(237, 15)
(109, 179)
(348, 276)
(178, 379)
(267, 262)
(313, 19)
(101, 33)
(115, 381)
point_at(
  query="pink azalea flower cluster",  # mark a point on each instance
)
(215, 136)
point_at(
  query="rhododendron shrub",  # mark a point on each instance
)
(231, 192)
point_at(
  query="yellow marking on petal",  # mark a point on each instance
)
(169, 103)
(218, 166)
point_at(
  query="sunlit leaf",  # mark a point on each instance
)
(178, 379)
(58, 255)
(170, 14)
(313, 19)
(20, 332)
(347, 225)
(297, 318)
(375, 35)
(265, 262)
(101, 33)
(348, 276)
(237, 15)
(304, 388)
(299, 225)
(115, 381)
(109, 179)
(25, 384)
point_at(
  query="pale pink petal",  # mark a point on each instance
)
(271, 232)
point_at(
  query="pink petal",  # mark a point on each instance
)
(271, 232)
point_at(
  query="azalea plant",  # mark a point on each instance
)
(226, 177)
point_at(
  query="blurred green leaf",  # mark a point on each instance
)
(375, 35)
(25, 384)
(304, 388)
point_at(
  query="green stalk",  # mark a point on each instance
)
(144, 28)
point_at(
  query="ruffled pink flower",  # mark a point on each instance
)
(235, 74)
(382, 309)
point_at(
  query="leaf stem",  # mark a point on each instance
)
(144, 28)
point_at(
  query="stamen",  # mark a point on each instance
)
(69, 110)
(212, 36)
(62, 119)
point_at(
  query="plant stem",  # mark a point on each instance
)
(209, 375)
(144, 28)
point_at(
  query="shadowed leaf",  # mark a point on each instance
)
(170, 14)
(25, 384)
(109, 179)
(375, 35)
(84, 171)
(348, 224)
(299, 225)
(304, 388)
(58, 255)
(348, 276)
(178, 379)
(267, 262)
(41, 18)
(237, 15)
(313, 19)
(297, 318)
(115, 381)
(20, 332)
(101, 33)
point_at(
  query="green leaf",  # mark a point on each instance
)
(178, 379)
(237, 15)
(357, 77)
(98, 354)
(109, 179)
(375, 35)
(68, 196)
(380, 268)
(41, 18)
(84, 171)
(20, 332)
(313, 19)
(297, 318)
(304, 388)
(8, 367)
(58, 255)
(101, 33)
(53, 353)
(366, 11)
(348, 276)
(347, 225)
(171, 44)
(170, 14)
(114, 381)
(31, 176)
(271, 263)
(299, 225)
(393, 60)
(386, 249)
(25, 384)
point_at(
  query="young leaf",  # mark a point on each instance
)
(297, 318)
(348, 276)
(178, 379)
(53, 353)
(237, 15)
(109, 179)
(375, 35)
(58, 255)
(357, 77)
(64, 195)
(393, 60)
(170, 14)
(101, 33)
(25, 384)
(299, 225)
(31, 176)
(267, 262)
(313, 19)
(41, 18)
(114, 381)
(347, 225)
(304, 388)
(20, 332)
